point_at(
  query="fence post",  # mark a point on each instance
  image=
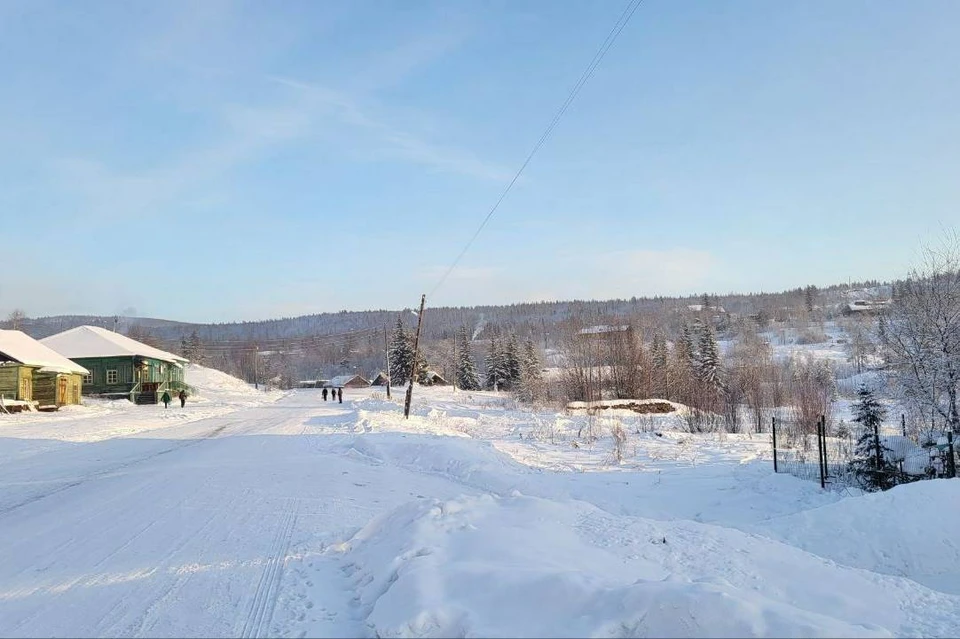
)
(903, 424)
(826, 468)
(774, 429)
(951, 464)
(820, 443)
(876, 443)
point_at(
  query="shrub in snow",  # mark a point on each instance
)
(619, 442)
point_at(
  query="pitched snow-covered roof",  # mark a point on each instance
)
(868, 305)
(93, 341)
(22, 348)
(603, 328)
(341, 380)
(699, 308)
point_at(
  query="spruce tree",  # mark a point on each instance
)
(530, 386)
(467, 378)
(195, 346)
(401, 355)
(658, 360)
(496, 366)
(511, 363)
(871, 464)
(684, 355)
(686, 350)
(708, 360)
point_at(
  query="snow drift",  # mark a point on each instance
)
(523, 566)
(908, 531)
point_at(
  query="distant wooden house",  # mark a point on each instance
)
(382, 379)
(866, 307)
(119, 366)
(433, 378)
(602, 331)
(36, 374)
(348, 381)
(307, 383)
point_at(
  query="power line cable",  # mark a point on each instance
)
(608, 42)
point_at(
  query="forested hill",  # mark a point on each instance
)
(525, 318)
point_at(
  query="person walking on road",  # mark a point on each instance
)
(183, 398)
(340, 394)
(324, 393)
(165, 399)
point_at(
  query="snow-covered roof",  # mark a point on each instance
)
(20, 347)
(341, 380)
(699, 308)
(93, 341)
(868, 305)
(596, 330)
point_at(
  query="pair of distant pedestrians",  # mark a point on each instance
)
(335, 393)
(182, 396)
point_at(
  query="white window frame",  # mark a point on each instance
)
(116, 376)
(88, 378)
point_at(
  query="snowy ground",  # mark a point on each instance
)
(248, 514)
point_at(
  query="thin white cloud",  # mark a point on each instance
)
(108, 192)
(392, 142)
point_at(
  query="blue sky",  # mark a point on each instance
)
(214, 161)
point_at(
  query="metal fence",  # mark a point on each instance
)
(848, 454)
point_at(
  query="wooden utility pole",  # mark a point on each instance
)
(386, 354)
(416, 352)
(256, 363)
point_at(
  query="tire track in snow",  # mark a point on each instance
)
(268, 588)
(121, 605)
(107, 472)
(137, 627)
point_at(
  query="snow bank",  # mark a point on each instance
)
(908, 531)
(522, 566)
(211, 385)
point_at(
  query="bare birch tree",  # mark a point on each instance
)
(923, 332)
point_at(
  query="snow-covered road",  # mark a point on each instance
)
(299, 517)
(183, 532)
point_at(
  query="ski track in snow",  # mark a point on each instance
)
(305, 518)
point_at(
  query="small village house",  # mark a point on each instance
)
(32, 374)
(382, 379)
(119, 366)
(433, 378)
(348, 381)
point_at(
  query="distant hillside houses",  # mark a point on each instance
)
(700, 308)
(868, 307)
(603, 329)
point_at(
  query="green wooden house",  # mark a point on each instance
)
(119, 366)
(32, 374)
